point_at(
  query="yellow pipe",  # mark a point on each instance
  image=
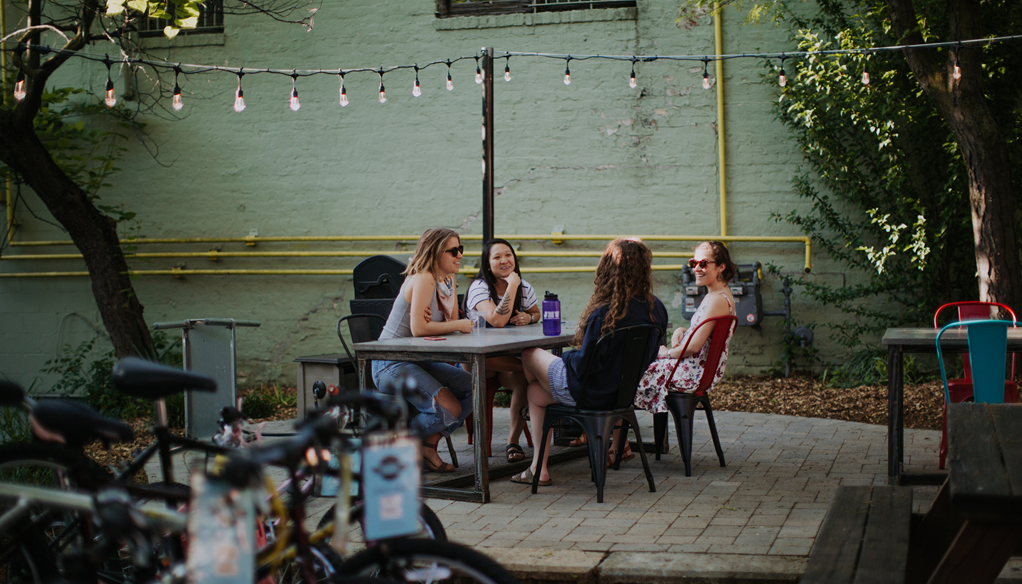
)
(183, 272)
(718, 66)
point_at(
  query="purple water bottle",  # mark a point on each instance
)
(551, 315)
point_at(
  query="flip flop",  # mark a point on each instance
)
(580, 441)
(526, 479)
(610, 457)
(514, 452)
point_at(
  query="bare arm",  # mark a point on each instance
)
(499, 314)
(419, 293)
(718, 307)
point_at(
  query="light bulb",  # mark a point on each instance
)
(567, 76)
(957, 74)
(865, 76)
(782, 80)
(450, 82)
(344, 97)
(507, 73)
(479, 75)
(177, 104)
(631, 80)
(19, 87)
(111, 99)
(706, 80)
(294, 105)
(239, 100)
(383, 94)
(416, 91)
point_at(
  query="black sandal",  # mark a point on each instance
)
(514, 452)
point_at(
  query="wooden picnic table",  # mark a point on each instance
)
(472, 349)
(975, 524)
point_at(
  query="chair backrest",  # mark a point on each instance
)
(723, 328)
(361, 328)
(975, 310)
(639, 341)
(379, 306)
(378, 276)
(988, 351)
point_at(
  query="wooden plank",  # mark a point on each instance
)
(978, 479)
(932, 536)
(978, 553)
(836, 551)
(1007, 419)
(884, 555)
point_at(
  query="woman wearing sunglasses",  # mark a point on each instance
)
(623, 297)
(500, 293)
(712, 267)
(429, 292)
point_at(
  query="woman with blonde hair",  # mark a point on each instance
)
(623, 297)
(427, 305)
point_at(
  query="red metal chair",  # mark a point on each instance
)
(960, 390)
(683, 405)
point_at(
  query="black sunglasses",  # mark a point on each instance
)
(701, 263)
(456, 251)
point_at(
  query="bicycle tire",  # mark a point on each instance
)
(430, 524)
(32, 547)
(425, 561)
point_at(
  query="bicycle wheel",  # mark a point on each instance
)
(29, 548)
(430, 526)
(324, 568)
(425, 561)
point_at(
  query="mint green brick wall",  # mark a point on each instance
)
(595, 157)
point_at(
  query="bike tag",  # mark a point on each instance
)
(390, 480)
(221, 525)
(330, 485)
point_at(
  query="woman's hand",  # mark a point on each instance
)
(464, 325)
(677, 336)
(522, 318)
(662, 353)
(513, 280)
(428, 314)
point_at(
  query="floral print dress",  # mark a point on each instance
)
(652, 392)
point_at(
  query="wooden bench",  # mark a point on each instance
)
(864, 538)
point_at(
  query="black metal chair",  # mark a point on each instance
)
(367, 327)
(378, 276)
(639, 343)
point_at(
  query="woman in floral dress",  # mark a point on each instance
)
(713, 268)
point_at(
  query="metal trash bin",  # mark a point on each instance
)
(209, 348)
(378, 276)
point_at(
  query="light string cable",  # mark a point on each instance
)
(294, 73)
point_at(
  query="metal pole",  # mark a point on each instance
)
(487, 144)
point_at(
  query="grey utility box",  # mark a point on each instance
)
(208, 348)
(744, 287)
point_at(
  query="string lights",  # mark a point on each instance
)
(20, 89)
(111, 99)
(239, 95)
(176, 103)
(293, 103)
(344, 92)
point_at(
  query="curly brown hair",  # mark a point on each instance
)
(624, 273)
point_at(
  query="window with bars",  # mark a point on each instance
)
(447, 8)
(211, 20)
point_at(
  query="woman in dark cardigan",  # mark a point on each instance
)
(588, 377)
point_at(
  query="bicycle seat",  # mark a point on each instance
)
(11, 394)
(76, 424)
(140, 378)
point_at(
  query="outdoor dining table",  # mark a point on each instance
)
(975, 524)
(917, 340)
(472, 349)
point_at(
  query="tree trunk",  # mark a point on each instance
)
(93, 233)
(984, 149)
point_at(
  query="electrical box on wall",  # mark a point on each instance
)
(744, 287)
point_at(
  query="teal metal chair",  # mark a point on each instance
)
(988, 354)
